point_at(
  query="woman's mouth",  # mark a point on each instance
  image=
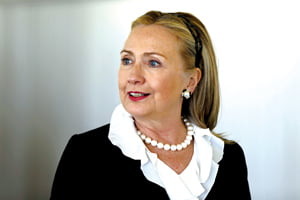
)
(137, 96)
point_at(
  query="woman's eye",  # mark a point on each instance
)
(154, 63)
(126, 61)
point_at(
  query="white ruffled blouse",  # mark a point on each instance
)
(194, 182)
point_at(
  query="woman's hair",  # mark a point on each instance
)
(197, 50)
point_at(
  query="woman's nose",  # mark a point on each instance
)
(136, 75)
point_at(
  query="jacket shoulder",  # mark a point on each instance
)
(101, 131)
(232, 177)
(233, 153)
(97, 136)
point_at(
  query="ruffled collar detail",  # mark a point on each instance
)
(194, 182)
(122, 133)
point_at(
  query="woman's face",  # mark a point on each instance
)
(151, 74)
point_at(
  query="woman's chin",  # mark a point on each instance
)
(136, 110)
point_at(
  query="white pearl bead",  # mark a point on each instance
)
(187, 142)
(173, 147)
(190, 128)
(190, 132)
(189, 137)
(179, 147)
(154, 143)
(160, 145)
(148, 140)
(167, 147)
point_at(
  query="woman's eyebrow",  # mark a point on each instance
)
(154, 53)
(146, 53)
(126, 51)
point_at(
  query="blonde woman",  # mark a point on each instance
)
(160, 143)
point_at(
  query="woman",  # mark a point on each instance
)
(160, 142)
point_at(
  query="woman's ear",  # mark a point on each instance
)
(195, 77)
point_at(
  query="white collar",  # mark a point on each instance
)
(208, 152)
(122, 133)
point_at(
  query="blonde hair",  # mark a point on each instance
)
(203, 106)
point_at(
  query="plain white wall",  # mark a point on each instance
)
(58, 77)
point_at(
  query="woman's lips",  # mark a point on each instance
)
(137, 96)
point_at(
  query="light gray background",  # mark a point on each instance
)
(58, 76)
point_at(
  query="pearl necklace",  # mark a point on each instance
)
(172, 147)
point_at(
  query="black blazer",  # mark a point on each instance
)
(91, 167)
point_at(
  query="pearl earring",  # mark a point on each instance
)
(186, 94)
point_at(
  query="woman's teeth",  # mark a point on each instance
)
(137, 94)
